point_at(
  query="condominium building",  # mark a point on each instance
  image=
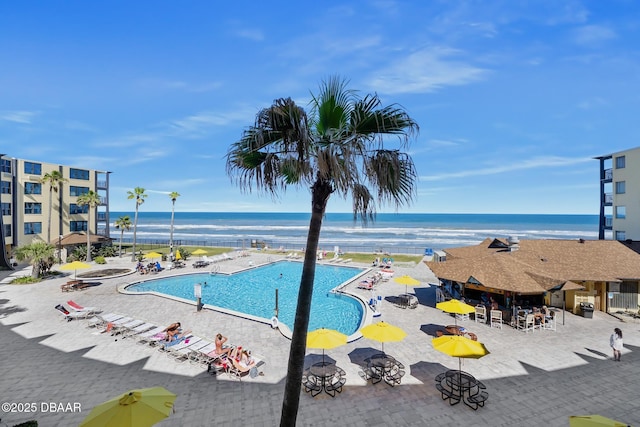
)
(31, 211)
(619, 195)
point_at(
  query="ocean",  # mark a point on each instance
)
(393, 233)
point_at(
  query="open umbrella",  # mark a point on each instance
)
(406, 281)
(383, 332)
(460, 347)
(199, 252)
(594, 421)
(325, 339)
(75, 265)
(456, 307)
(152, 255)
(141, 408)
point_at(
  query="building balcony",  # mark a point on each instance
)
(102, 185)
(102, 216)
(607, 175)
(608, 222)
(608, 199)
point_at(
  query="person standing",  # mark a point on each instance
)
(616, 344)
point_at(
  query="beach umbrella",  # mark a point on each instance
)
(383, 332)
(75, 265)
(152, 255)
(456, 307)
(594, 421)
(141, 408)
(178, 255)
(199, 252)
(406, 281)
(460, 347)
(325, 339)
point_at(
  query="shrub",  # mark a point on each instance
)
(26, 280)
(100, 260)
(108, 251)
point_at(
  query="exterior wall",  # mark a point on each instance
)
(630, 200)
(58, 209)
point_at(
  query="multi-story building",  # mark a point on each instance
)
(30, 208)
(619, 198)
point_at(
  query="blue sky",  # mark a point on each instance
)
(513, 98)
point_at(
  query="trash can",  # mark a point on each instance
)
(586, 308)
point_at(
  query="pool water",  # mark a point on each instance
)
(253, 292)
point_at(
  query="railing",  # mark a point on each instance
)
(102, 216)
(101, 184)
(608, 174)
(608, 221)
(608, 199)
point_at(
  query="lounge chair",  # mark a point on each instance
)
(69, 316)
(138, 329)
(101, 320)
(151, 336)
(183, 339)
(182, 354)
(237, 370)
(77, 307)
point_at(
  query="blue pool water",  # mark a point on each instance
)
(253, 292)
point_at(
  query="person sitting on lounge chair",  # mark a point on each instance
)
(172, 330)
(243, 362)
(219, 351)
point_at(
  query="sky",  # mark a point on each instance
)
(513, 98)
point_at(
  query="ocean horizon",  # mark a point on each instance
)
(394, 233)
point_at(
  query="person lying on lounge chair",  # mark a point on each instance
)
(243, 362)
(172, 330)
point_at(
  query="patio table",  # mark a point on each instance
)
(324, 373)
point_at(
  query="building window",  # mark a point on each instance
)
(33, 168)
(78, 225)
(620, 187)
(77, 209)
(5, 187)
(5, 166)
(620, 235)
(620, 162)
(32, 208)
(32, 227)
(79, 174)
(6, 208)
(7, 230)
(621, 212)
(77, 191)
(32, 188)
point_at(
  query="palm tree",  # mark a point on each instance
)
(123, 224)
(338, 147)
(91, 199)
(138, 194)
(173, 195)
(40, 256)
(55, 180)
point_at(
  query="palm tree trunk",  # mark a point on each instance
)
(173, 208)
(89, 236)
(135, 228)
(50, 213)
(320, 195)
(120, 247)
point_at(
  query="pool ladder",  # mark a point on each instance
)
(215, 270)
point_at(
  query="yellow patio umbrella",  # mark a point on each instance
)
(383, 332)
(178, 255)
(140, 408)
(460, 347)
(594, 421)
(325, 339)
(152, 255)
(199, 252)
(406, 281)
(456, 307)
(75, 265)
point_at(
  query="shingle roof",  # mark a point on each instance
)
(80, 238)
(539, 265)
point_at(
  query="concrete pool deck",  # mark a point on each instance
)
(540, 377)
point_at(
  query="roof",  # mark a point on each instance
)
(539, 265)
(80, 238)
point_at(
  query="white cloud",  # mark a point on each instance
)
(22, 117)
(250, 34)
(424, 71)
(590, 35)
(534, 163)
(592, 103)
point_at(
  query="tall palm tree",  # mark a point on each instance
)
(91, 199)
(123, 224)
(339, 147)
(173, 195)
(55, 180)
(138, 194)
(39, 255)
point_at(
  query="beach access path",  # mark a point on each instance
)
(540, 377)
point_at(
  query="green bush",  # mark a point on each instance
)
(100, 260)
(26, 280)
(108, 251)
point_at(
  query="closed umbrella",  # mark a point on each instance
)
(383, 332)
(325, 339)
(75, 266)
(140, 408)
(178, 255)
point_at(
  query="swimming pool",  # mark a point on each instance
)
(252, 292)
